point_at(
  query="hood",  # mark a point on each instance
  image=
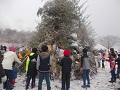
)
(44, 55)
(8, 54)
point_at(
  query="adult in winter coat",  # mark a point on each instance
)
(31, 68)
(66, 63)
(43, 67)
(85, 67)
(9, 57)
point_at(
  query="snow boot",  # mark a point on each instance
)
(83, 86)
(88, 85)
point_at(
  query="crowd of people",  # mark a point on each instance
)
(40, 64)
(113, 58)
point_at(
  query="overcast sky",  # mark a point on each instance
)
(21, 15)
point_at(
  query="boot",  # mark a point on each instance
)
(111, 81)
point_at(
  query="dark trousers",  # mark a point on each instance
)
(118, 72)
(0, 80)
(103, 65)
(65, 80)
(28, 81)
(9, 74)
(86, 76)
(113, 76)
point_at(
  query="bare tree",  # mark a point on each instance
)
(109, 41)
(15, 37)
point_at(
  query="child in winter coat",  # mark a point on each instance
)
(15, 71)
(66, 63)
(31, 68)
(112, 67)
(85, 68)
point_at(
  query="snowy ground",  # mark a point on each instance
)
(98, 82)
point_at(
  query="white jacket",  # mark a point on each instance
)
(9, 58)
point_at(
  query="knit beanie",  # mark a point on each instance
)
(12, 49)
(66, 52)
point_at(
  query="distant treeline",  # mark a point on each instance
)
(15, 36)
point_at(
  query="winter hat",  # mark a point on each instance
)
(12, 49)
(34, 50)
(84, 50)
(66, 52)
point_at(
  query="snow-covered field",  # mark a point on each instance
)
(98, 82)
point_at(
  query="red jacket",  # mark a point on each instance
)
(112, 63)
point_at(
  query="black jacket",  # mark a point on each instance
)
(118, 62)
(66, 63)
(2, 73)
(32, 71)
(44, 62)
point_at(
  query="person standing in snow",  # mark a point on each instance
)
(31, 68)
(112, 62)
(103, 60)
(15, 71)
(85, 68)
(66, 63)
(43, 67)
(99, 60)
(9, 57)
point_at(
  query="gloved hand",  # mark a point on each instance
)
(3, 79)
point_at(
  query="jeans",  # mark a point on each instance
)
(113, 76)
(86, 76)
(103, 65)
(118, 72)
(47, 78)
(9, 74)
